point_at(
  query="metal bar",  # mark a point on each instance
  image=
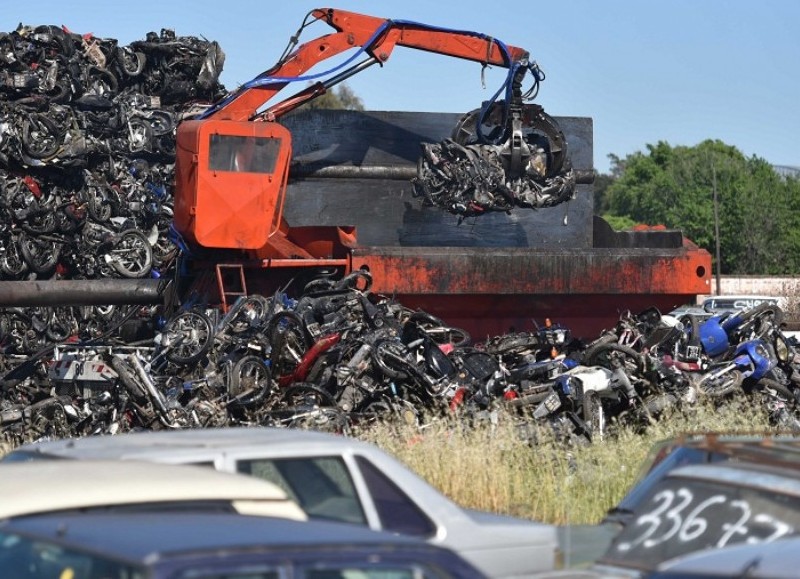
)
(398, 172)
(81, 292)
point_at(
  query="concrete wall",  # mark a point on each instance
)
(783, 286)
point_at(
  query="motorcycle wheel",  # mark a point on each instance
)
(778, 390)
(99, 206)
(251, 312)
(306, 395)
(132, 255)
(131, 63)
(193, 332)
(11, 262)
(721, 386)
(249, 374)
(161, 123)
(40, 255)
(40, 223)
(609, 355)
(41, 137)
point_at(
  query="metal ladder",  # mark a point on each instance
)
(229, 284)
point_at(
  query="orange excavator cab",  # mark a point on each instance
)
(233, 178)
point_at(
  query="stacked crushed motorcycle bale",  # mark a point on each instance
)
(340, 355)
(87, 148)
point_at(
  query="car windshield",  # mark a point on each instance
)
(25, 557)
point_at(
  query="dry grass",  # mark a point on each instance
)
(495, 466)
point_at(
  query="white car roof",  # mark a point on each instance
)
(202, 441)
(56, 485)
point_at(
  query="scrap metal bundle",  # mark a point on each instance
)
(499, 157)
(87, 148)
(471, 180)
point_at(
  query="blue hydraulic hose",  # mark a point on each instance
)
(263, 81)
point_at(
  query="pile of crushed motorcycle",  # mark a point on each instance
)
(86, 172)
(87, 148)
(340, 355)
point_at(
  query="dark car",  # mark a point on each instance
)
(213, 546)
(703, 506)
(688, 449)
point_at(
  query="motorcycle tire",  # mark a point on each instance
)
(161, 123)
(194, 334)
(654, 406)
(755, 316)
(250, 373)
(12, 265)
(131, 63)
(41, 137)
(722, 386)
(353, 279)
(251, 312)
(40, 223)
(306, 394)
(101, 82)
(41, 256)
(132, 254)
(98, 204)
(608, 354)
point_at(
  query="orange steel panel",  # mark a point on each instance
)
(237, 207)
(509, 272)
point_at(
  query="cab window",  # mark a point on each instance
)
(243, 154)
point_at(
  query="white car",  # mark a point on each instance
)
(336, 478)
(39, 487)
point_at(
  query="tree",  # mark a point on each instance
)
(340, 98)
(674, 186)
(602, 181)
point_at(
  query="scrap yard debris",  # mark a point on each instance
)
(87, 154)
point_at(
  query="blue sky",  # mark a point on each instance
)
(680, 71)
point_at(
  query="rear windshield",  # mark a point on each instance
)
(22, 557)
(681, 515)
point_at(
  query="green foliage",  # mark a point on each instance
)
(619, 222)
(340, 98)
(674, 186)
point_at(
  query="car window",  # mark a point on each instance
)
(26, 558)
(322, 486)
(396, 510)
